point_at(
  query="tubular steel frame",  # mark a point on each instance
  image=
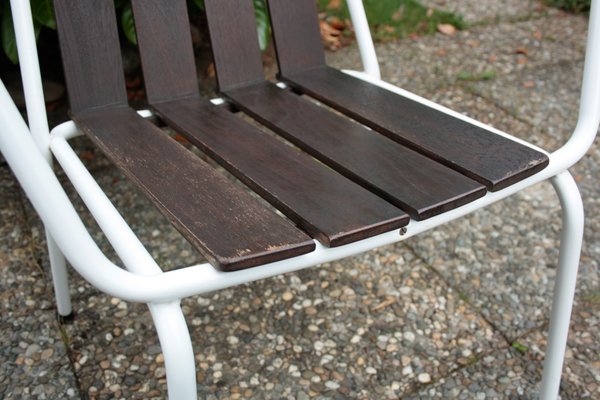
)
(29, 151)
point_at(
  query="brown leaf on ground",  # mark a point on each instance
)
(397, 16)
(446, 29)
(522, 50)
(389, 300)
(529, 84)
(334, 4)
(179, 138)
(87, 155)
(336, 23)
(210, 70)
(330, 36)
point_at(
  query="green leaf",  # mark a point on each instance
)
(9, 42)
(127, 23)
(262, 23)
(43, 12)
(199, 4)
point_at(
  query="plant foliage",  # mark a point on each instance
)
(571, 5)
(43, 16)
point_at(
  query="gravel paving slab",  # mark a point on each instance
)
(482, 11)
(425, 63)
(505, 374)
(505, 267)
(33, 360)
(581, 374)
(378, 326)
(547, 98)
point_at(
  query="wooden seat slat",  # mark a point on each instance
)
(419, 185)
(493, 160)
(328, 206)
(228, 226)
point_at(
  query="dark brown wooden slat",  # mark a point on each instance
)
(91, 53)
(163, 32)
(417, 184)
(225, 223)
(234, 40)
(300, 48)
(322, 202)
(493, 160)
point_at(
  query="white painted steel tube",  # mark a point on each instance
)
(566, 279)
(30, 74)
(589, 107)
(204, 278)
(177, 349)
(60, 277)
(363, 38)
(38, 125)
(125, 243)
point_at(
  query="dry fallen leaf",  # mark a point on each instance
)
(522, 50)
(336, 23)
(446, 29)
(334, 4)
(492, 58)
(537, 35)
(330, 35)
(529, 84)
(210, 70)
(397, 16)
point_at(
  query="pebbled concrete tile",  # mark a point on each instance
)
(33, 358)
(488, 11)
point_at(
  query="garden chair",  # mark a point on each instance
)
(410, 165)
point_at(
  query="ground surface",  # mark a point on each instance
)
(460, 312)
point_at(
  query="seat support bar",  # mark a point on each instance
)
(566, 279)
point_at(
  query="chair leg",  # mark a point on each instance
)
(566, 278)
(60, 277)
(177, 350)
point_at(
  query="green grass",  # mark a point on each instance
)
(390, 19)
(471, 77)
(521, 348)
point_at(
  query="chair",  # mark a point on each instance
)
(407, 166)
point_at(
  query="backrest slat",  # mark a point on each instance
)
(91, 53)
(296, 34)
(165, 45)
(236, 52)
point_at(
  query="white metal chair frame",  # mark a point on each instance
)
(29, 152)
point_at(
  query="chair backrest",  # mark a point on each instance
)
(236, 51)
(175, 75)
(91, 54)
(296, 35)
(235, 48)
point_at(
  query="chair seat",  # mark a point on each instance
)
(338, 181)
